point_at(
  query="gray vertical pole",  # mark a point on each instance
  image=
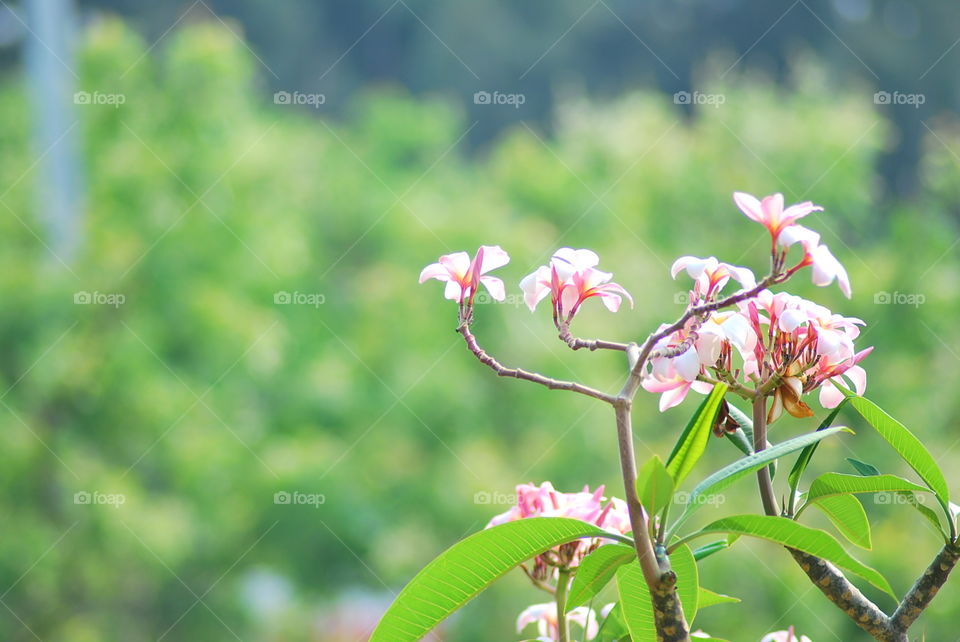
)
(52, 77)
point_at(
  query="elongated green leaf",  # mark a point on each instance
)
(809, 540)
(829, 484)
(468, 567)
(710, 598)
(869, 470)
(906, 444)
(709, 549)
(636, 609)
(729, 474)
(694, 438)
(793, 479)
(654, 485)
(863, 468)
(613, 627)
(688, 580)
(847, 514)
(928, 513)
(596, 570)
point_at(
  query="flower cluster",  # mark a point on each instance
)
(780, 344)
(592, 507)
(784, 232)
(571, 278)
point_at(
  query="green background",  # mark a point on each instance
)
(199, 397)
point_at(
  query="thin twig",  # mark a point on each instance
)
(517, 373)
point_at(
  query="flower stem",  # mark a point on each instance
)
(759, 443)
(563, 585)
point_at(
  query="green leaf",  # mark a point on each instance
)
(467, 568)
(906, 444)
(709, 549)
(743, 438)
(635, 604)
(694, 438)
(613, 626)
(847, 514)
(863, 467)
(829, 484)
(929, 514)
(789, 533)
(709, 598)
(684, 565)
(596, 570)
(793, 479)
(654, 485)
(729, 474)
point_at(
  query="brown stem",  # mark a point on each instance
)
(848, 598)
(517, 373)
(589, 344)
(767, 495)
(662, 581)
(925, 588)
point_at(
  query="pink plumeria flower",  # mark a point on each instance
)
(588, 506)
(785, 636)
(826, 267)
(770, 213)
(710, 275)
(848, 372)
(462, 275)
(545, 617)
(570, 279)
(553, 279)
(673, 391)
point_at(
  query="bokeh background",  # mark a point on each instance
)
(228, 411)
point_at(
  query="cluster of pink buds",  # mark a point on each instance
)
(800, 346)
(780, 343)
(592, 507)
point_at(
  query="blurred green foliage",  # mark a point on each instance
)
(199, 397)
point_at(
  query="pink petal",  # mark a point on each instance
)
(434, 271)
(494, 287)
(688, 364)
(773, 207)
(674, 397)
(800, 210)
(452, 291)
(830, 395)
(494, 256)
(749, 205)
(458, 264)
(611, 301)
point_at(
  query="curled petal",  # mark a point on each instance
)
(435, 271)
(458, 264)
(494, 257)
(494, 287)
(749, 205)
